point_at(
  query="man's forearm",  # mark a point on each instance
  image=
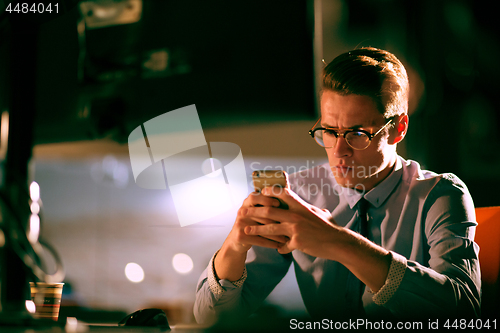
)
(229, 264)
(368, 261)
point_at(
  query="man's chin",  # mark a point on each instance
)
(350, 183)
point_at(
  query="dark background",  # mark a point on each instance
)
(252, 62)
(237, 61)
(249, 68)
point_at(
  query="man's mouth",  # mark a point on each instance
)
(343, 169)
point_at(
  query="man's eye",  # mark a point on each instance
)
(330, 132)
(356, 134)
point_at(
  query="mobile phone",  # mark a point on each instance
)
(268, 178)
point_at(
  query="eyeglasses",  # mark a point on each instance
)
(356, 139)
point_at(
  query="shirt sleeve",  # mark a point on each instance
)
(264, 270)
(213, 282)
(394, 277)
(448, 284)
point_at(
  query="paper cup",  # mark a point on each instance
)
(47, 299)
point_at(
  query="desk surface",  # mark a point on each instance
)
(98, 328)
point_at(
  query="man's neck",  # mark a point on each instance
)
(380, 176)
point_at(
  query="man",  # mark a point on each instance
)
(369, 234)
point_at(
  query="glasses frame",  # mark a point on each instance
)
(343, 133)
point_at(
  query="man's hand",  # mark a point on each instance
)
(230, 260)
(314, 232)
(241, 242)
(306, 227)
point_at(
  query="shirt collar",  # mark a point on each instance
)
(377, 195)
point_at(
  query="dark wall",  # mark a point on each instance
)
(450, 50)
(456, 46)
(243, 62)
(239, 62)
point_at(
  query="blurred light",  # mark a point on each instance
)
(71, 324)
(4, 133)
(34, 191)
(134, 272)
(182, 263)
(210, 193)
(103, 13)
(34, 231)
(2, 238)
(110, 171)
(35, 207)
(74, 326)
(30, 306)
(157, 62)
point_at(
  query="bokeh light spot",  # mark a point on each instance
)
(30, 306)
(182, 263)
(34, 191)
(134, 272)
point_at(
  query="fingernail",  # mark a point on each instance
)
(244, 211)
(248, 230)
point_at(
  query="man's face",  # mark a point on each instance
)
(361, 169)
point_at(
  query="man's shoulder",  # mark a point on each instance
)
(420, 177)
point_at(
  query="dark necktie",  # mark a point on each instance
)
(363, 205)
(356, 288)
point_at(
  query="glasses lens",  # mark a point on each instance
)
(357, 140)
(325, 138)
(318, 136)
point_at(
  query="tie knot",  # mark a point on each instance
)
(363, 205)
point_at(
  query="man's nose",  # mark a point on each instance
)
(342, 149)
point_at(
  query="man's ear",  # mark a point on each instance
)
(400, 128)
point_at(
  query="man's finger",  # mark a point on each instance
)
(266, 230)
(268, 213)
(263, 241)
(278, 239)
(285, 196)
(254, 219)
(257, 199)
(284, 249)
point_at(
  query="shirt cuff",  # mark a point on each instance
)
(213, 280)
(394, 277)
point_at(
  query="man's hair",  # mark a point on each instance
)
(371, 72)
